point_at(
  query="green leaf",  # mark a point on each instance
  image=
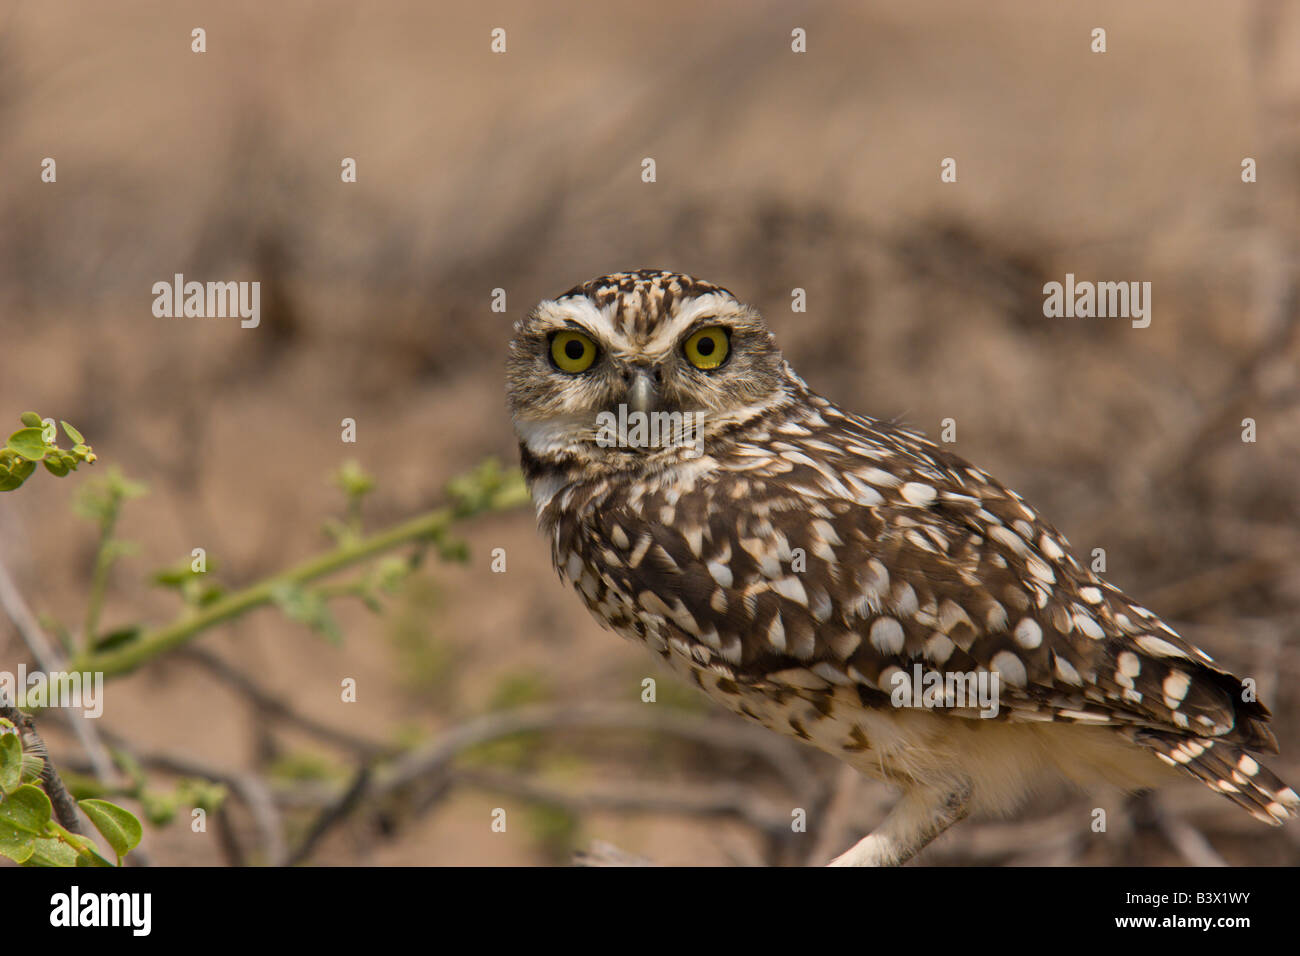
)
(192, 792)
(391, 572)
(33, 767)
(159, 808)
(17, 473)
(83, 846)
(117, 548)
(51, 851)
(91, 857)
(208, 595)
(307, 607)
(117, 638)
(24, 815)
(30, 419)
(11, 763)
(173, 577)
(19, 852)
(120, 827)
(452, 550)
(28, 443)
(100, 499)
(56, 468)
(72, 433)
(182, 573)
(354, 481)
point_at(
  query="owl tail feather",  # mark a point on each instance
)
(1227, 769)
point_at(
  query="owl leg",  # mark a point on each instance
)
(920, 816)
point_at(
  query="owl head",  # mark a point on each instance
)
(640, 346)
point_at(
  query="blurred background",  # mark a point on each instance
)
(522, 171)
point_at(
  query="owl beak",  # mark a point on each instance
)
(642, 394)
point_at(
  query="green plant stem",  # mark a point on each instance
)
(152, 643)
(99, 579)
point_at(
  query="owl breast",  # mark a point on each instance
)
(682, 563)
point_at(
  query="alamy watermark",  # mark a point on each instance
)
(934, 689)
(211, 300)
(1104, 300)
(637, 429)
(66, 689)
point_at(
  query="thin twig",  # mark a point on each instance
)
(271, 704)
(725, 733)
(65, 807)
(47, 656)
(332, 816)
(191, 622)
(227, 838)
(99, 575)
(727, 800)
(833, 827)
(50, 659)
(1190, 843)
(251, 790)
(601, 853)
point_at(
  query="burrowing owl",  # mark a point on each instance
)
(844, 580)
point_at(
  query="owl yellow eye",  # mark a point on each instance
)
(708, 348)
(572, 351)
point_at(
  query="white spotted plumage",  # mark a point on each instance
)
(801, 561)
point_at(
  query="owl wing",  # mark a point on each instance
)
(812, 562)
(859, 557)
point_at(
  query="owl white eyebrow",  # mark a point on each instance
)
(576, 327)
(571, 311)
(708, 322)
(698, 310)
